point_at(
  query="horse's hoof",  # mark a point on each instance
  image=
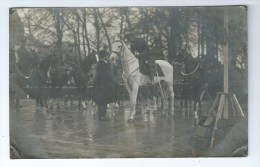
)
(163, 115)
(104, 119)
(116, 105)
(155, 112)
(171, 114)
(130, 120)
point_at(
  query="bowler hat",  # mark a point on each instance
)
(102, 54)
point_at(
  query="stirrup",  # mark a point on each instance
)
(152, 81)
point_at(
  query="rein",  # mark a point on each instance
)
(120, 53)
(26, 77)
(126, 61)
(127, 77)
(186, 74)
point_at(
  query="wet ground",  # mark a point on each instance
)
(73, 133)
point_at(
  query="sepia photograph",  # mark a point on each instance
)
(128, 82)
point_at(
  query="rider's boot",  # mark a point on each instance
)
(152, 80)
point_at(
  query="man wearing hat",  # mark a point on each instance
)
(141, 48)
(103, 84)
(105, 48)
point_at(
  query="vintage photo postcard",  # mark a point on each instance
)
(128, 82)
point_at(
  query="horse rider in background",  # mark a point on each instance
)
(23, 54)
(141, 50)
(157, 51)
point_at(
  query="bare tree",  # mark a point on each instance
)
(105, 28)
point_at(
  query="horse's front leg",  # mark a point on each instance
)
(133, 91)
(52, 95)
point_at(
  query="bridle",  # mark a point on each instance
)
(131, 60)
(120, 54)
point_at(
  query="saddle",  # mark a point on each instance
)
(144, 69)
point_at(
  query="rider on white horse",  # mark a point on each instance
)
(141, 50)
(133, 78)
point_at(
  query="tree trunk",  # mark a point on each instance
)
(97, 27)
(86, 30)
(84, 42)
(199, 40)
(59, 32)
(121, 24)
(105, 29)
(126, 11)
(78, 37)
(174, 36)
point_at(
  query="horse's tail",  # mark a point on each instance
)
(168, 78)
(167, 70)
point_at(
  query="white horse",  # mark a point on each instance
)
(133, 78)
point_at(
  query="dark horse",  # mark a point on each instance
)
(82, 74)
(58, 76)
(28, 71)
(193, 73)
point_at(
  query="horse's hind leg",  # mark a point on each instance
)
(161, 93)
(171, 99)
(45, 101)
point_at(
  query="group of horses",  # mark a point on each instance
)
(37, 72)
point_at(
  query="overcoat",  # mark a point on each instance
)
(103, 83)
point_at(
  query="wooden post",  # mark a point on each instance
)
(218, 116)
(226, 51)
(223, 98)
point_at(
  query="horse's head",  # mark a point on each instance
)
(117, 49)
(90, 60)
(27, 60)
(92, 57)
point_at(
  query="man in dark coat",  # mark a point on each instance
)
(103, 84)
(141, 50)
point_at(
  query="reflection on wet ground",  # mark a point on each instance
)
(73, 133)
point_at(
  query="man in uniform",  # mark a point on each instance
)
(141, 50)
(157, 50)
